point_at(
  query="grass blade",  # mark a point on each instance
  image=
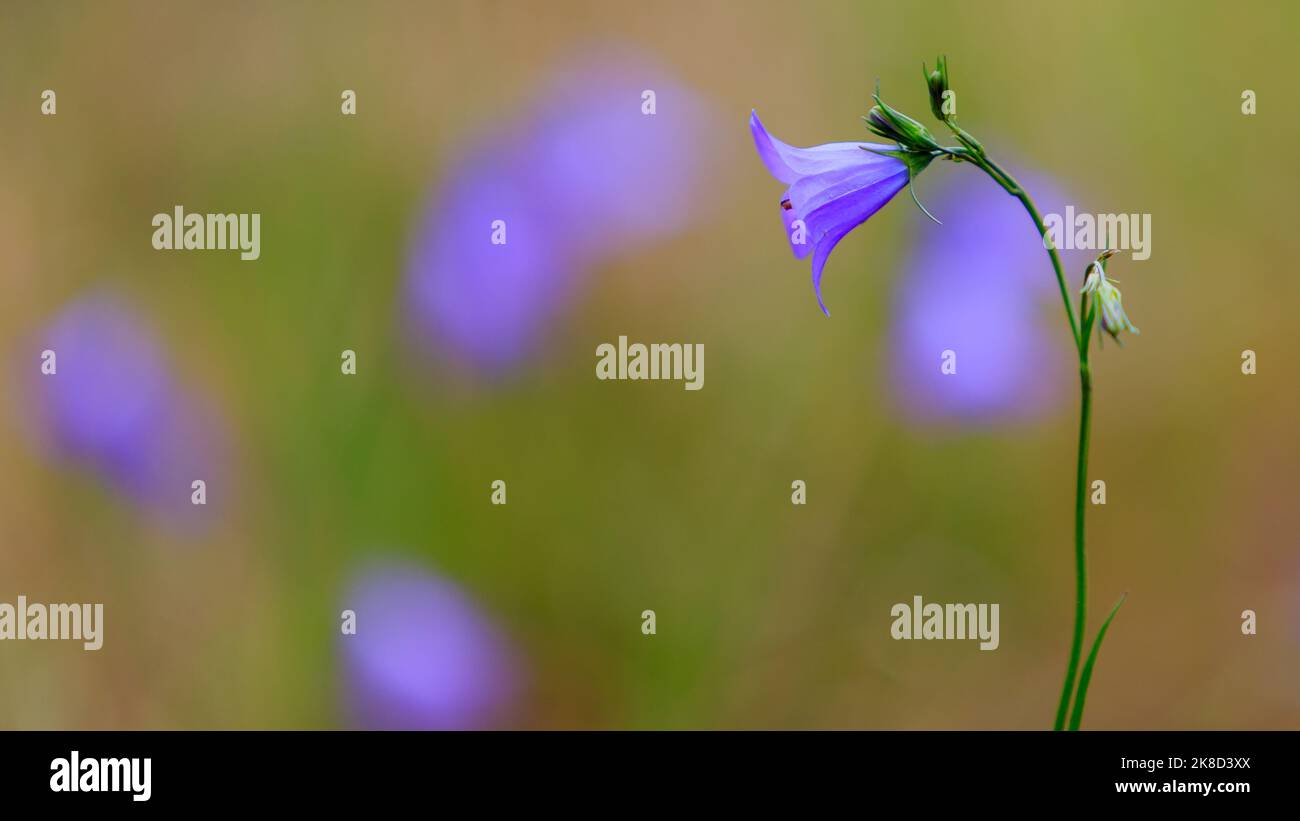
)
(1086, 676)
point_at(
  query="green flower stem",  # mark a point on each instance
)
(973, 152)
(1080, 554)
(1016, 190)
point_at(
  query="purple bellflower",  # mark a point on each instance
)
(424, 656)
(833, 189)
(109, 403)
(485, 304)
(975, 286)
(595, 170)
(982, 314)
(617, 149)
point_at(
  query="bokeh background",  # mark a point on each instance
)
(371, 491)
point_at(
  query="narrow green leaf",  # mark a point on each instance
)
(1086, 676)
(1088, 309)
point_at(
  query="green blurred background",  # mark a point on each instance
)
(637, 496)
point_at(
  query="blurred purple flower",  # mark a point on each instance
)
(613, 176)
(834, 188)
(980, 285)
(584, 176)
(486, 304)
(111, 405)
(424, 656)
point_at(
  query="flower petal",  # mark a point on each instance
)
(827, 200)
(824, 247)
(788, 164)
(833, 204)
(804, 246)
(978, 285)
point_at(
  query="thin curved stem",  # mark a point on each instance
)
(1080, 554)
(1012, 187)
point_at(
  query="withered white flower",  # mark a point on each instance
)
(1109, 300)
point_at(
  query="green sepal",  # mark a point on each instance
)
(916, 162)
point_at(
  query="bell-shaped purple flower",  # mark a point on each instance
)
(615, 150)
(103, 397)
(424, 655)
(489, 269)
(833, 189)
(980, 287)
(606, 162)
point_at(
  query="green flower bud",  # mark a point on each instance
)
(937, 81)
(892, 124)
